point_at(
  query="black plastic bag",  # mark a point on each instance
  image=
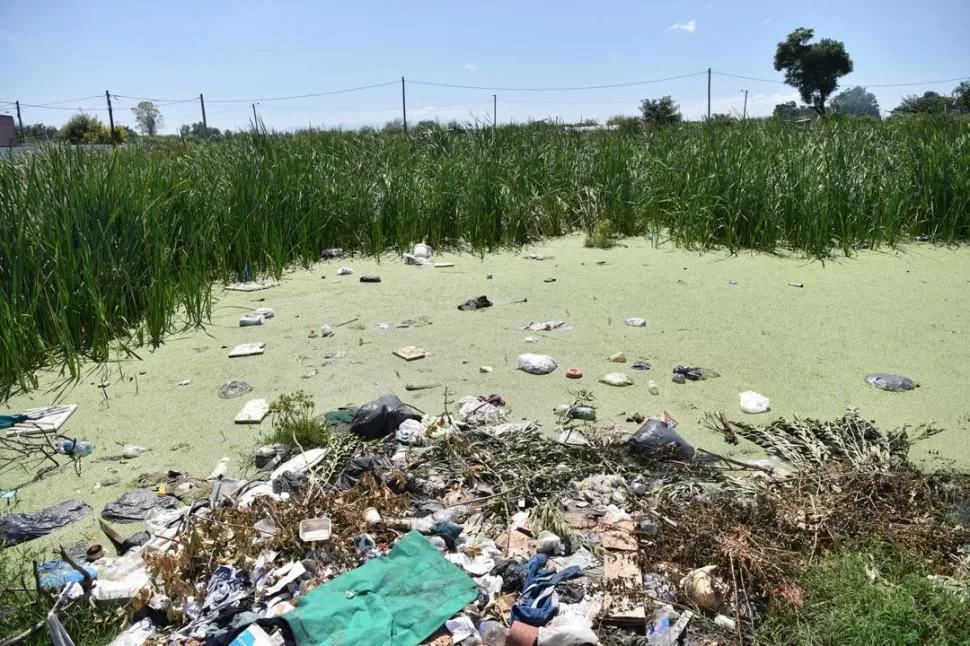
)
(20, 528)
(134, 506)
(381, 468)
(290, 482)
(381, 417)
(658, 439)
(475, 304)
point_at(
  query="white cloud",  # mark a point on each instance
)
(471, 67)
(690, 26)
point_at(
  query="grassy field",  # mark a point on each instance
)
(96, 247)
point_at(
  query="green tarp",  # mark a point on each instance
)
(395, 600)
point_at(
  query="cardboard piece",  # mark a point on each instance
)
(247, 349)
(410, 353)
(624, 582)
(253, 412)
(616, 540)
(516, 544)
(622, 578)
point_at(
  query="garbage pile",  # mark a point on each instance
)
(467, 527)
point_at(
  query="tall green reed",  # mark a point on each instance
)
(99, 251)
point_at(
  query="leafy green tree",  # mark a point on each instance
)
(85, 129)
(81, 129)
(961, 98)
(624, 124)
(660, 111)
(396, 125)
(427, 125)
(37, 132)
(856, 102)
(930, 103)
(148, 117)
(791, 111)
(813, 69)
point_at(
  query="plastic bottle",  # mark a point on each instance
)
(653, 388)
(78, 449)
(493, 633)
(582, 412)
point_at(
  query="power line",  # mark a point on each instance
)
(555, 89)
(953, 80)
(51, 107)
(868, 85)
(83, 98)
(304, 96)
(750, 78)
(161, 101)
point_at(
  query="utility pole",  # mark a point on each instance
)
(111, 117)
(404, 106)
(205, 124)
(708, 92)
(255, 118)
(744, 114)
(494, 110)
(20, 123)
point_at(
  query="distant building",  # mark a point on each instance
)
(8, 133)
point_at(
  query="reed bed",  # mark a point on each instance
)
(100, 251)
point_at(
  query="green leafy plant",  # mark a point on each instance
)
(293, 422)
(601, 236)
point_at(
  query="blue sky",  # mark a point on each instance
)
(62, 51)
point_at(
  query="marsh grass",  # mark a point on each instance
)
(101, 250)
(871, 596)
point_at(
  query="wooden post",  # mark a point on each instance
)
(111, 117)
(20, 123)
(708, 92)
(205, 124)
(404, 106)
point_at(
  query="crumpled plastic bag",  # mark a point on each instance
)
(20, 528)
(658, 439)
(753, 403)
(536, 364)
(136, 505)
(381, 468)
(381, 417)
(890, 382)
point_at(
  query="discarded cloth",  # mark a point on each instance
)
(400, 598)
(539, 601)
(135, 505)
(224, 583)
(6, 421)
(20, 528)
(54, 575)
